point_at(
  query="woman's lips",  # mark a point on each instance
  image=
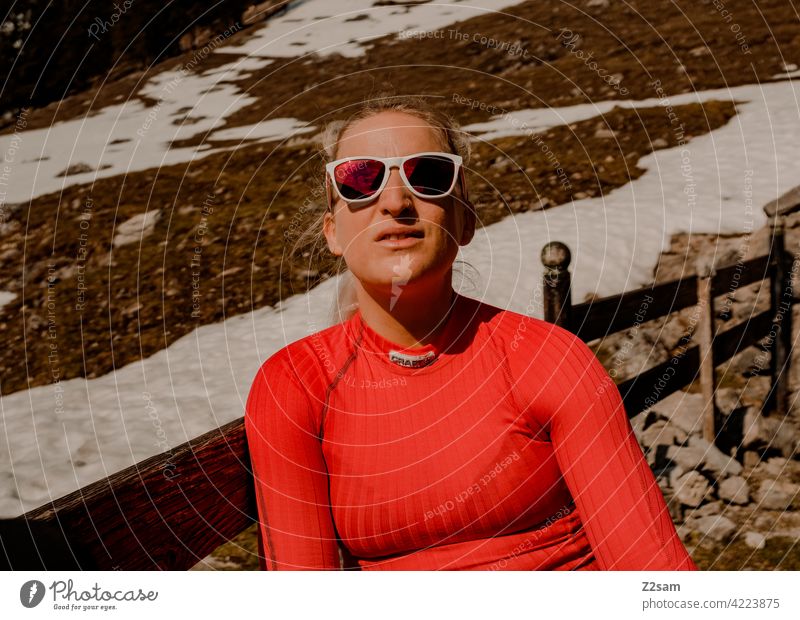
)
(401, 241)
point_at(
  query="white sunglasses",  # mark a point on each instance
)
(360, 179)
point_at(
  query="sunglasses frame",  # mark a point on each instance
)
(389, 163)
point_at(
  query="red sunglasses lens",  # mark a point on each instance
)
(430, 175)
(358, 178)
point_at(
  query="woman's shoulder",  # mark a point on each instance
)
(534, 347)
(310, 358)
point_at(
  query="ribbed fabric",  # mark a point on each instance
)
(511, 450)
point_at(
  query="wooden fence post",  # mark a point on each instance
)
(705, 340)
(781, 299)
(556, 284)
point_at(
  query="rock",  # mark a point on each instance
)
(688, 458)
(751, 459)
(652, 434)
(776, 466)
(605, 134)
(727, 400)
(659, 143)
(754, 540)
(716, 527)
(734, 490)
(776, 494)
(682, 410)
(136, 228)
(674, 475)
(776, 432)
(663, 434)
(707, 510)
(714, 460)
(692, 489)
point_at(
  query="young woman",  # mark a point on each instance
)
(428, 430)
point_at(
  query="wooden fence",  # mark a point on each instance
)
(171, 511)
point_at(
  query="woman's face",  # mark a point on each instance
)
(352, 232)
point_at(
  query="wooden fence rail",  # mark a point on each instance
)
(171, 511)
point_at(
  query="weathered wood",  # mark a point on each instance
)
(784, 204)
(647, 388)
(730, 278)
(781, 295)
(740, 336)
(556, 288)
(607, 315)
(705, 340)
(167, 512)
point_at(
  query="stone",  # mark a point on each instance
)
(688, 458)
(136, 228)
(751, 459)
(683, 410)
(776, 467)
(773, 432)
(605, 134)
(754, 540)
(652, 434)
(707, 510)
(734, 490)
(776, 494)
(692, 489)
(714, 460)
(727, 400)
(716, 527)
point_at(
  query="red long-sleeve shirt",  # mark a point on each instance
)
(509, 449)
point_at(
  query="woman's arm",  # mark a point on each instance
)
(621, 506)
(291, 478)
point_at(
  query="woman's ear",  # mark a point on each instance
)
(329, 229)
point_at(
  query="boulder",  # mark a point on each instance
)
(692, 489)
(683, 410)
(754, 540)
(716, 527)
(776, 494)
(734, 490)
(688, 458)
(721, 465)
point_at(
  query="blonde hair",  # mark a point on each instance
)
(453, 140)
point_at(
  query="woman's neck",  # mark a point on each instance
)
(412, 316)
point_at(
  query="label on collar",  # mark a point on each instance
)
(411, 361)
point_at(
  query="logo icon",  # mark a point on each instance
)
(31, 593)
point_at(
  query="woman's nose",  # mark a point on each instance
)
(396, 195)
